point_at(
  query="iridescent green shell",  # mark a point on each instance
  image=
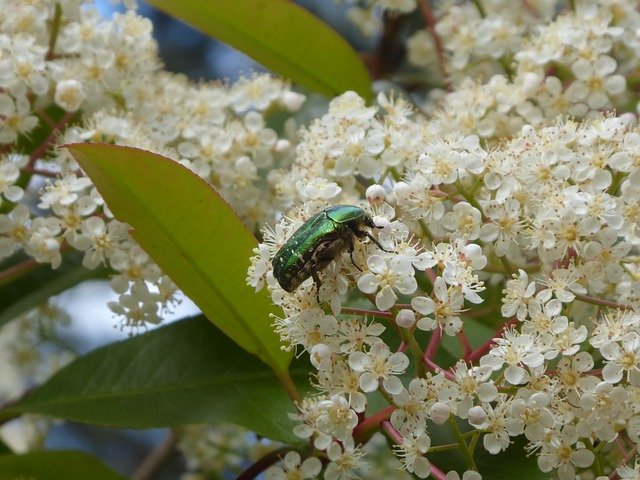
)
(321, 239)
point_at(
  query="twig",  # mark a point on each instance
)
(44, 146)
(153, 462)
(430, 21)
(601, 301)
(265, 462)
(486, 346)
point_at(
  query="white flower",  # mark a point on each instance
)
(69, 95)
(468, 475)
(310, 468)
(379, 366)
(9, 173)
(402, 6)
(14, 229)
(318, 189)
(336, 418)
(595, 82)
(384, 276)
(517, 293)
(446, 308)
(464, 221)
(621, 358)
(504, 225)
(561, 451)
(344, 461)
(15, 117)
(63, 191)
(515, 349)
(411, 453)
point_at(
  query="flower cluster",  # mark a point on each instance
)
(91, 79)
(494, 208)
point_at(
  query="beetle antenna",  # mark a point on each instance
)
(371, 237)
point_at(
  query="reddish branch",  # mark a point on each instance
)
(430, 22)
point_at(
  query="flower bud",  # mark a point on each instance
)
(440, 413)
(292, 101)
(375, 194)
(406, 318)
(477, 416)
(402, 191)
(69, 95)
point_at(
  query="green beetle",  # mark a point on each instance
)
(321, 239)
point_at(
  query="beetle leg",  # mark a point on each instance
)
(373, 239)
(316, 280)
(351, 248)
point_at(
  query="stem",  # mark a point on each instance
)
(370, 425)
(437, 473)
(430, 21)
(508, 69)
(507, 265)
(371, 313)
(153, 462)
(474, 441)
(572, 5)
(265, 462)
(16, 271)
(602, 302)
(416, 351)
(597, 464)
(472, 201)
(480, 7)
(630, 456)
(486, 346)
(433, 345)
(464, 341)
(39, 171)
(44, 146)
(443, 448)
(437, 368)
(392, 432)
(425, 230)
(464, 448)
(289, 386)
(55, 29)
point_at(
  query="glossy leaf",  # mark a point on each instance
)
(39, 282)
(283, 37)
(54, 465)
(193, 235)
(184, 373)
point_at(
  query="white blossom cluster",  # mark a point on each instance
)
(220, 450)
(513, 200)
(30, 352)
(78, 77)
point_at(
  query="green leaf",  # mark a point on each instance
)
(4, 448)
(512, 463)
(39, 282)
(283, 37)
(54, 465)
(193, 235)
(187, 372)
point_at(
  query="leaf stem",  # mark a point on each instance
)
(464, 448)
(416, 351)
(430, 21)
(55, 29)
(602, 302)
(288, 384)
(16, 271)
(153, 462)
(370, 425)
(263, 463)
